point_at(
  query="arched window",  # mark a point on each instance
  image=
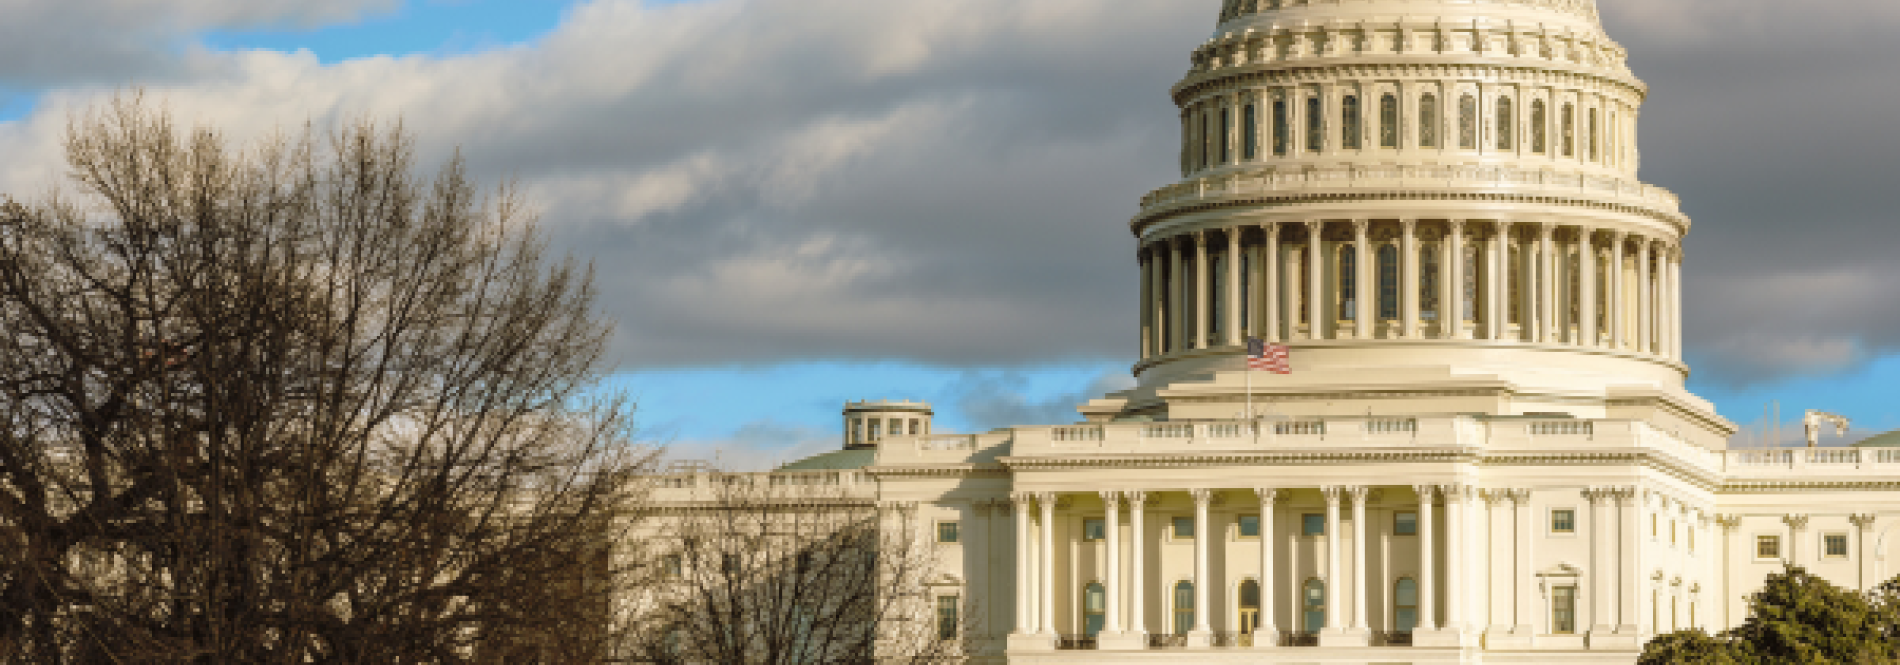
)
(1315, 125)
(1183, 607)
(1538, 119)
(1094, 608)
(1249, 606)
(1568, 120)
(1216, 285)
(1281, 132)
(1349, 122)
(1468, 123)
(1428, 121)
(1592, 137)
(1470, 288)
(1348, 282)
(1507, 119)
(1516, 290)
(1405, 612)
(1313, 606)
(1428, 281)
(1388, 282)
(1250, 135)
(1389, 121)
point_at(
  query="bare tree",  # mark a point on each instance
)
(785, 569)
(292, 404)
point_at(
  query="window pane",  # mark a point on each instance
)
(1388, 282)
(947, 532)
(1563, 611)
(1563, 521)
(1468, 122)
(1405, 523)
(1281, 132)
(1349, 122)
(1315, 125)
(1094, 599)
(1094, 529)
(1249, 526)
(1313, 525)
(1407, 593)
(1407, 618)
(1767, 547)
(1250, 594)
(1507, 120)
(1837, 544)
(1348, 282)
(1428, 121)
(1252, 133)
(1184, 527)
(947, 617)
(1389, 121)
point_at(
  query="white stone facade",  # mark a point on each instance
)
(1485, 452)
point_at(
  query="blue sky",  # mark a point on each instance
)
(813, 201)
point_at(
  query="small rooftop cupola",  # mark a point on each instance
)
(869, 422)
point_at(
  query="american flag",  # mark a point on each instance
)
(1264, 357)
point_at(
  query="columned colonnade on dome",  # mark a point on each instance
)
(1507, 280)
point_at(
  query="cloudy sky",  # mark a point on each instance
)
(792, 203)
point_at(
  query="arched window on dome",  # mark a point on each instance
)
(1568, 122)
(1592, 137)
(1348, 282)
(1315, 125)
(1349, 122)
(1538, 130)
(1250, 136)
(1388, 282)
(1282, 134)
(1507, 119)
(1389, 121)
(1428, 121)
(1471, 293)
(1468, 123)
(1428, 281)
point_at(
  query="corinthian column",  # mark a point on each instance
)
(1427, 561)
(1047, 501)
(1233, 321)
(1333, 617)
(1266, 635)
(1360, 594)
(1201, 635)
(1025, 579)
(1362, 278)
(1269, 299)
(1112, 525)
(1645, 300)
(1138, 566)
(1316, 280)
(1203, 301)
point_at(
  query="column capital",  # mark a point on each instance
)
(1521, 496)
(1272, 230)
(1457, 226)
(1426, 493)
(1200, 237)
(1454, 493)
(1863, 520)
(1202, 496)
(1408, 224)
(1135, 498)
(1359, 493)
(1022, 498)
(1359, 226)
(1798, 521)
(1047, 500)
(1728, 520)
(1267, 495)
(1546, 229)
(1112, 498)
(1331, 492)
(1494, 496)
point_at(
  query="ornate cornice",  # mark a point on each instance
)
(1615, 85)
(1160, 213)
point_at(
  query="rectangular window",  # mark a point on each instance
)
(1183, 527)
(914, 430)
(1767, 547)
(1282, 133)
(1094, 529)
(947, 622)
(1563, 610)
(1405, 523)
(1251, 135)
(1835, 545)
(1315, 125)
(1313, 524)
(674, 566)
(1349, 122)
(947, 532)
(1248, 526)
(875, 426)
(1563, 521)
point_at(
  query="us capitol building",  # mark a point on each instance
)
(1484, 451)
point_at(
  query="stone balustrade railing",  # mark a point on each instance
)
(1490, 179)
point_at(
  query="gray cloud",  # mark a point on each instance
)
(990, 400)
(948, 182)
(62, 42)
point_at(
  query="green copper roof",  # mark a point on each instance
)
(835, 460)
(1888, 440)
